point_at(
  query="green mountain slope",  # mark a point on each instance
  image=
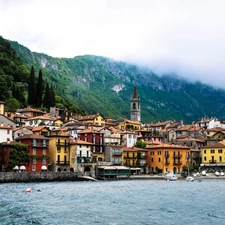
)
(98, 84)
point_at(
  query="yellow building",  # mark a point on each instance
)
(129, 125)
(168, 158)
(59, 151)
(95, 119)
(213, 155)
(130, 156)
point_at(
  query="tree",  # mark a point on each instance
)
(140, 144)
(52, 96)
(39, 89)
(46, 102)
(32, 94)
(12, 104)
(19, 154)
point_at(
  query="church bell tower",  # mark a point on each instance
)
(135, 107)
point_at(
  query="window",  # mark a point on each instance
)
(93, 148)
(159, 152)
(220, 151)
(151, 153)
(204, 158)
(43, 160)
(220, 158)
(204, 151)
(44, 151)
(8, 131)
(159, 160)
(34, 161)
(152, 160)
(212, 151)
(34, 151)
(33, 168)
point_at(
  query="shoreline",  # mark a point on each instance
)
(27, 177)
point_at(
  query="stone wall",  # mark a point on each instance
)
(9, 177)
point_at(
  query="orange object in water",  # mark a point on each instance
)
(28, 190)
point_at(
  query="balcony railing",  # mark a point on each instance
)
(212, 161)
(177, 156)
(177, 163)
(117, 153)
(62, 162)
(39, 144)
(167, 162)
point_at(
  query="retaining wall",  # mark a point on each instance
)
(9, 177)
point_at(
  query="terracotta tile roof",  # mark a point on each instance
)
(88, 117)
(90, 131)
(159, 124)
(164, 145)
(38, 128)
(133, 149)
(30, 110)
(42, 118)
(215, 145)
(80, 142)
(31, 136)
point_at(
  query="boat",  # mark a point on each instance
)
(170, 177)
(222, 173)
(190, 178)
(203, 173)
(217, 173)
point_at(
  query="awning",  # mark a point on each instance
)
(43, 168)
(16, 168)
(22, 167)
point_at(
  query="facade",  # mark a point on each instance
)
(168, 158)
(97, 140)
(128, 138)
(38, 146)
(80, 157)
(5, 133)
(59, 150)
(135, 107)
(113, 154)
(95, 119)
(213, 156)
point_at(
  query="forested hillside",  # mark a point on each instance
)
(98, 84)
(21, 87)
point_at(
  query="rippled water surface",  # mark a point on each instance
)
(114, 202)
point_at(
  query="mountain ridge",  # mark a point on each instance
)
(103, 85)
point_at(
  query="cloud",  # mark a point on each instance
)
(180, 36)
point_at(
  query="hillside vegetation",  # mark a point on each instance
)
(99, 84)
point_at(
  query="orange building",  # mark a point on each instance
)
(168, 158)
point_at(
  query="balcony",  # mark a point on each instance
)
(62, 162)
(177, 163)
(117, 153)
(39, 144)
(177, 156)
(167, 163)
(212, 161)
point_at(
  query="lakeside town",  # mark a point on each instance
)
(34, 141)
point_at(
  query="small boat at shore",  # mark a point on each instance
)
(190, 178)
(170, 177)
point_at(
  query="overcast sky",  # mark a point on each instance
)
(186, 37)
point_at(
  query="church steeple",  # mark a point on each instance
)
(135, 107)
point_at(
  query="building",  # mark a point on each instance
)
(5, 133)
(59, 150)
(38, 147)
(135, 107)
(97, 140)
(168, 157)
(213, 156)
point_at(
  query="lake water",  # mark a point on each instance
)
(123, 202)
